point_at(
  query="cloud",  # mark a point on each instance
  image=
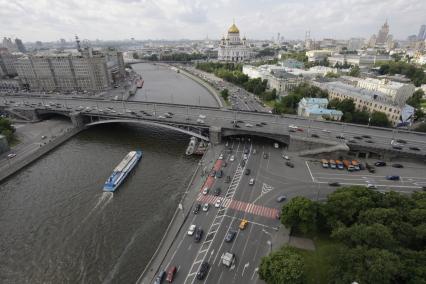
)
(155, 19)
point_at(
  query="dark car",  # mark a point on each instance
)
(230, 236)
(212, 173)
(264, 123)
(414, 148)
(357, 137)
(204, 269)
(361, 166)
(237, 126)
(198, 234)
(369, 141)
(401, 141)
(340, 137)
(315, 135)
(396, 147)
(380, 164)
(247, 172)
(240, 121)
(281, 198)
(399, 166)
(392, 177)
(243, 163)
(265, 155)
(259, 124)
(334, 183)
(366, 136)
(171, 274)
(217, 191)
(160, 277)
(219, 174)
(289, 164)
(197, 208)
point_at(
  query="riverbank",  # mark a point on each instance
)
(182, 212)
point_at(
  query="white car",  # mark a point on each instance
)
(11, 155)
(217, 203)
(251, 181)
(191, 230)
(245, 157)
(202, 116)
(276, 145)
(199, 120)
(221, 157)
(160, 116)
(232, 158)
(128, 111)
(206, 207)
(249, 125)
(286, 157)
(371, 186)
(325, 130)
(205, 191)
(293, 127)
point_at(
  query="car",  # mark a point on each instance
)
(393, 177)
(217, 203)
(340, 136)
(11, 155)
(289, 164)
(369, 141)
(171, 274)
(204, 269)
(219, 174)
(249, 125)
(380, 164)
(199, 120)
(285, 157)
(160, 277)
(265, 155)
(243, 224)
(232, 158)
(206, 207)
(353, 141)
(221, 157)
(245, 157)
(243, 163)
(247, 172)
(281, 198)
(237, 126)
(396, 147)
(325, 131)
(213, 173)
(299, 129)
(314, 135)
(198, 234)
(334, 183)
(251, 181)
(197, 208)
(399, 166)
(259, 124)
(263, 123)
(240, 121)
(357, 137)
(230, 236)
(162, 117)
(205, 190)
(371, 186)
(202, 116)
(414, 148)
(276, 145)
(401, 141)
(366, 136)
(191, 230)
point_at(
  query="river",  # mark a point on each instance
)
(56, 224)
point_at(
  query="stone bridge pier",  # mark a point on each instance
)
(77, 119)
(215, 135)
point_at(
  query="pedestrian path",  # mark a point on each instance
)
(240, 206)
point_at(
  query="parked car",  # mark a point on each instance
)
(230, 236)
(414, 148)
(219, 174)
(171, 274)
(366, 136)
(197, 208)
(281, 198)
(315, 135)
(396, 147)
(204, 269)
(231, 159)
(11, 155)
(393, 177)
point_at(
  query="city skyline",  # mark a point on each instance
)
(173, 19)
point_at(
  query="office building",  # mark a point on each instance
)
(232, 48)
(422, 33)
(357, 60)
(20, 46)
(7, 62)
(317, 55)
(397, 92)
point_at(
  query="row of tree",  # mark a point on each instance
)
(377, 238)
(7, 129)
(181, 56)
(416, 74)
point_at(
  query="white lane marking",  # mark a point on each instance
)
(309, 169)
(245, 266)
(381, 185)
(254, 272)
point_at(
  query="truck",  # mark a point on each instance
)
(228, 259)
(339, 164)
(355, 163)
(324, 163)
(348, 165)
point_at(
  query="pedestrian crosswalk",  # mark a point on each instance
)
(240, 206)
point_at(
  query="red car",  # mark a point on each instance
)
(171, 274)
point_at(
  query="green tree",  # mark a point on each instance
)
(355, 72)
(379, 118)
(332, 75)
(225, 94)
(282, 267)
(7, 129)
(300, 213)
(416, 98)
(346, 105)
(135, 55)
(421, 127)
(360, 117)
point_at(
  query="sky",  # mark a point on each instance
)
(45, 20)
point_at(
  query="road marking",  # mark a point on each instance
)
(254, 272)
(309, 169)
(245, 266)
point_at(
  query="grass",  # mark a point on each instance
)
(269, 103)
(317, 264)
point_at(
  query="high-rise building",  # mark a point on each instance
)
(7, 62)
(20, 45)
(382, 36)
(422, 33)
(232, 47)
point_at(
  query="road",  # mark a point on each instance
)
(379, 138)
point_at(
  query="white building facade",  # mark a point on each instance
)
(397, 92)
(232, 48)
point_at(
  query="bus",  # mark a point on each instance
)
(324, 163)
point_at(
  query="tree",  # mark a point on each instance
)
(379, 118)
(300, 213)
(225, 94)
(7, 129)
(346, 105)
(282, 267)
(421, 127)
(360, 117)
(355, 72)
(365, 265)
(135, 55)
(416, 98)
(332, 75)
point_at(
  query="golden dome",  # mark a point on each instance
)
(233, 29)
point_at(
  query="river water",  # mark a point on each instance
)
(56, 224)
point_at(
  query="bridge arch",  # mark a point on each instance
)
(151, 123)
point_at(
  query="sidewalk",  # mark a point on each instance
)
(181, 213)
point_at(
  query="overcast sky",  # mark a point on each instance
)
(49, 20)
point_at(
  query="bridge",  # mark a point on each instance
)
(213, 124)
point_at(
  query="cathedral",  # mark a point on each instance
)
(232, 48)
